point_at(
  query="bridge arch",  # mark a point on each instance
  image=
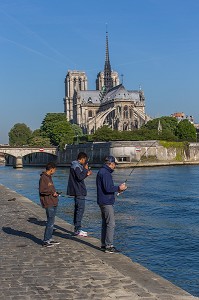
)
(19, 153)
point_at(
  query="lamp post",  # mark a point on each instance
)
(77, 139)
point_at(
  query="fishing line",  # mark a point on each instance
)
(136, 166)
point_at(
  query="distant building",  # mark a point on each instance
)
(181, 116)
(110, 104)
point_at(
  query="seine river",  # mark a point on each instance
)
(157, 217)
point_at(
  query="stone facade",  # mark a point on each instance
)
(110, 104)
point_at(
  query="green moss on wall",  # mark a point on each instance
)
(181, 148)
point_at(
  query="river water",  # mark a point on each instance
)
(157, 217)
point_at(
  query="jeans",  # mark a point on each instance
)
(78, 212)
(108, 225)
(50, 213)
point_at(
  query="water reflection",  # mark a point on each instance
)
(157, 216)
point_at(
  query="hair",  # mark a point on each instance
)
(82, 155)
(50, 165)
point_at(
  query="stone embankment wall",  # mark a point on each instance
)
(128, 153)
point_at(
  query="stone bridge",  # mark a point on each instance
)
(19, 153)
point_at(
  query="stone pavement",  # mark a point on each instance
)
(75, 269)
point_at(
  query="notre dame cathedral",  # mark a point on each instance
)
(110, 104)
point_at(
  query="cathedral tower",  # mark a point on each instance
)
(75, 81)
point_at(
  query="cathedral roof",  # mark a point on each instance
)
(119, 92)
(89, 96)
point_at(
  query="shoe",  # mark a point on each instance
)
(111, 250)
(81, 233)
(103, 248)
(47, 245)
(54, 243)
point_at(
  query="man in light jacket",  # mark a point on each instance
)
(79, 170)
(106, 198)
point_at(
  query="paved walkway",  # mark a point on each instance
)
(75, 269)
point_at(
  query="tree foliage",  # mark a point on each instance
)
(49, 122)
(186, 131)
(19, 135)
(60, 132)
(167, 123)
(39, 141)
(171, 130)
(103, 133)
(77, 130)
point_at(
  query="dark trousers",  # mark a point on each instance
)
(108, 225)
(50, 214)
(78, 212)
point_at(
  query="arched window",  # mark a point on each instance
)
(90, 113)
(131, 113)
(125, 126)
(75, 82)
(125, 112)
(80, 84)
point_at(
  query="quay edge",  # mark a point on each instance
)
(122, 278)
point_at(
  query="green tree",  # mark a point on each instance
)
(39, 141)
(36, 132)
(78, 134)
(56, 127)
(19, 135)
(103, 133)
(186, 131)
(62, 133)
(167, 123)
(49, 122)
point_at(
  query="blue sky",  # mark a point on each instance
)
(154, 43)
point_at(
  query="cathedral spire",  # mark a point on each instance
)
(108, 81)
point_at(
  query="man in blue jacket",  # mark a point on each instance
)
(76, 187)
(106, 198)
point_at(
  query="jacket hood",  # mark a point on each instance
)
(74, 163)
(108, 168)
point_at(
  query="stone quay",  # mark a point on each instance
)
(128, 154)
(75, 269)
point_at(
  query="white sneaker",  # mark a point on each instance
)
(81, 233)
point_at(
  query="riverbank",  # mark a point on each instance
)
(75, 269)
(128, 154)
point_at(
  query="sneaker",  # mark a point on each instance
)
(54, 243)
(81, 233)
(111, 250)
(103, 248)
(47, 244)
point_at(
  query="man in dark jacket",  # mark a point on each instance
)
(49, 201)
(76, 187)
(106, 198)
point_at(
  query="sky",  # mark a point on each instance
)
(153, 43)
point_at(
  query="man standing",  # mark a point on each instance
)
(76, 187)
(49, 201)
(106, 198)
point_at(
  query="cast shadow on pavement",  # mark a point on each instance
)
(9, 230)
(64, 233)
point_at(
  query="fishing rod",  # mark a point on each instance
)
(136, 165)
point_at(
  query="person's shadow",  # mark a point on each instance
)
(67, 234)
(62, 232)
(20, 233)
